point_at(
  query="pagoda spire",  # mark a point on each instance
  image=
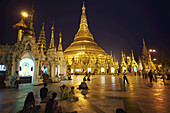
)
(83, 29)
(20, 25)
(144, 52)
(52, 38)
(60, 45)
(42, 38)
(30, 23)
(111, 54)
(132, 56)
(123, 57)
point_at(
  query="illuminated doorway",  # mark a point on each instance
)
(26, 70)
(102, 69)
(2, 68)
(44, 69)
(89, 69)
(135, 69)
(72, 71)
(124, 69)
(112, 70)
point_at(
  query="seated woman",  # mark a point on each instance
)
(69, 77)
(84, 79)
(83, 85)
(29, 104)
(72, 98)
(52, 105)
(63, 92)
(88, 78)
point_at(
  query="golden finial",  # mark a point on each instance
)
(132, 55)
(60, 35)
(143, 41)
(52, 37)
(60, 45)
(43, 26)
(83, 8)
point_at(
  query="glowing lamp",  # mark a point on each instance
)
(154, 59)
(154, 50)
(24, 14)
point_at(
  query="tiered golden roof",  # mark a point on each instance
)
(83, 41)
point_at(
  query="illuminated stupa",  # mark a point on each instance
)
(84, 51)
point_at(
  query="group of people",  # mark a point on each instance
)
(153, 74)
(51, 102)
(70, 96)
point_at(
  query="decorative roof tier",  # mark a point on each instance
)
(20, 24)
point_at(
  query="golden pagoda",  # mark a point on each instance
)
(84, 54)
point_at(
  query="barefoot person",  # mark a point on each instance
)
(72, 98)
(44, 92)
(52, 105)
(29, 105)
(63, 92)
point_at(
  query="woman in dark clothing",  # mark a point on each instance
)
(150, 76)
(29, 104)
(52, 105)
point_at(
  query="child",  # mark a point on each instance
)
(72, 98)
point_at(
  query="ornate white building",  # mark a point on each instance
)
(32, 59)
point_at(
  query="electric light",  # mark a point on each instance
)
(154, 59)
(24, 14)
(150, 50)
(154, 50)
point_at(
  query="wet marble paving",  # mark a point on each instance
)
(106, 93)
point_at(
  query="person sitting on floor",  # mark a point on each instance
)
(72, 98)
(88, 78)
(44, 92)
(83, 85)
(29, 105)
(84, 79)
(63, 92)
(52, 105)
(119, 110)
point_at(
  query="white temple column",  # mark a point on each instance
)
(36, 71)
(13, 66)
(52, 71)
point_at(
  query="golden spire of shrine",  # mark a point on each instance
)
(60, 45)
(83, 42)
(30, 23)
(132, 55)
(42, 38)
(52, 38)
(83, 32)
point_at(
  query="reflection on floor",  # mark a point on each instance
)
(106, 94)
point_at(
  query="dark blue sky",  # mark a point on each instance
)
(115, 24)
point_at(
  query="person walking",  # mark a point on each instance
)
(125, 78)
(155, 73)
(17, 80)
(150, 74)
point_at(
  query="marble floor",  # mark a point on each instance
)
(106, 93)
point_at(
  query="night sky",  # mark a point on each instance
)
(115, 24)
